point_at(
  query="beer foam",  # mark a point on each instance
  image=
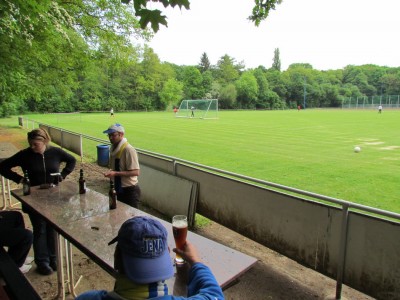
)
(180, 224)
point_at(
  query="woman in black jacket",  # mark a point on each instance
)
(40, 160)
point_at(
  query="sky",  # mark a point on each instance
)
(328, 34)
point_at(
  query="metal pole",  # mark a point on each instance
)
(304, 93)
(174, 167)
(81, 147)
(342, 251)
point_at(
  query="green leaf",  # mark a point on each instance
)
(151, 16)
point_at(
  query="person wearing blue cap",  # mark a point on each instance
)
(124, 166)
(143, 263)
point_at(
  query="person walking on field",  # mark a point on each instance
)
(380, 109)
(192, 109)
(40, 160)
(112, 112)
(143, 263)
(124, 166)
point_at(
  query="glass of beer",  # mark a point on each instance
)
(179, 228)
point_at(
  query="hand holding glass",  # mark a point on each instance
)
(179, 228)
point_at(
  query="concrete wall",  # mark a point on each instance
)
(67, 140)
(304, 230)
(373, 256)
(168, 194)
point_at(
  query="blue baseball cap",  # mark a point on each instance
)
(114, 128)
(143, 242)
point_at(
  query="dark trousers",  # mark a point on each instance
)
(44, 240)
(15, 236)
(130, 195)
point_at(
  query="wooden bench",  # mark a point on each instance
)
(17, 285)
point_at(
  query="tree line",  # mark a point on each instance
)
(79, 56)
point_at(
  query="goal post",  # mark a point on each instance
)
(201, 109)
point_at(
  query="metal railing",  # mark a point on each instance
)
(345, 205)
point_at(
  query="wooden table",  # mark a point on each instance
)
(86, 222)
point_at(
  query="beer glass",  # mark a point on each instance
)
(179, 228)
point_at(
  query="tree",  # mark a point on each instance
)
(261, 10)
(207, 82)
(154, 16)
(277, 83)
(356, 76)
(263, 88)
(330, 96)
(247, 90)
(171, 93)
(276, 65)
(274, 101)
(300, 65)
(216, 90)
(204, 64)
(193, 83)
(349, 90)
(298, 80)
(226, 72)
(391, 82)
(46, 46)
(52, 49)
(227, 96)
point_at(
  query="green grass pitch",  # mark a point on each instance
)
(312, 150)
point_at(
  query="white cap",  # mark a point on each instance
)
(114, 128)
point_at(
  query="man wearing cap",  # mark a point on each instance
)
(124, 166)
(143, 263)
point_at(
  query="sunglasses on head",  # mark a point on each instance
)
(35, 135)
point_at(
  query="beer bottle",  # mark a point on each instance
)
(82, 184)
(112, 196)
(26, 184)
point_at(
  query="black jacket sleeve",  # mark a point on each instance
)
(70, 163)
(7, 165)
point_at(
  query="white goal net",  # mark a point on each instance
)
(203, 109)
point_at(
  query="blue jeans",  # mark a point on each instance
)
(44, 240)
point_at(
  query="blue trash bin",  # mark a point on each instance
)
(103, 152)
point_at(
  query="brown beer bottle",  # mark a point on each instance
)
(82, 184)
(112, 196)
(26, 184)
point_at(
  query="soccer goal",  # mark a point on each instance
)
(202, 108)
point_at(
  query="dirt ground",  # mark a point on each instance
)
(273, 276)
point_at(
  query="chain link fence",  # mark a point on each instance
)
(371, 102)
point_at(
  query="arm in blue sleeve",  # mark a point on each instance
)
(202, 284)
